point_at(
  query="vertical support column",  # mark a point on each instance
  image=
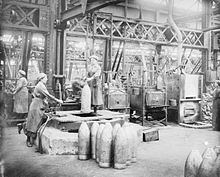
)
(144, 77)
(58, 53)
(51, 44)
(123, 59)
(62, 38)
(88, 50)
(110, 45)
(126, 9)
(106, 62)
(177, 31)
(26, 51)
(62, 51)
(206, 54)
(29, 45)
(59, 38)
(94, 17)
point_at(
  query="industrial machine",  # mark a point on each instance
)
(148, 96)
(190, 96)
(149, 103)
(184, 95)
(117, 99)
(116, 95)
(71, 100)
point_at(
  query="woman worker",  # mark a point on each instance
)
(216, 107)
(94, 79)
(21, 96)
(37, 107)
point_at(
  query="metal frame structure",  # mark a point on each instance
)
(107, 26)
(29, 16)
(129, 30)
(77, 8)
(33, 16)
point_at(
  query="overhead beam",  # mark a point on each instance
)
(90, 7)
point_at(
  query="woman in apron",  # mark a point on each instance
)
(21, 96)
(94, 79)
(37, 107)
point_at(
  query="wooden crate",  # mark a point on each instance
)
(151, 134)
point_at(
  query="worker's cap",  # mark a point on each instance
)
(94, 57)
(41, 76)
(23, 73)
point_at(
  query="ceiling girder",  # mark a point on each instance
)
(86, 7)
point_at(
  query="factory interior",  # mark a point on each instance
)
(115, 88)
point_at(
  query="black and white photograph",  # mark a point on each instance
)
(109, 88)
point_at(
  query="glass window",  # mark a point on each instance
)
(134, 65)
(77, 49)
(99, 49)
(14, 42)
(36, 62)
(75, 62)
(13, 45)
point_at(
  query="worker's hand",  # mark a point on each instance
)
(89, 79)
(84, 79)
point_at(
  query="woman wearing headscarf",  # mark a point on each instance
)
(94, 79)
(35, 114)
(21, 96)
(216, 107)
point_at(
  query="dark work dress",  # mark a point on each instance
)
(36, 111)
(21, 96)
(95, 84)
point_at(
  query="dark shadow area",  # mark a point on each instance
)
(22, 169)
(73, 131)
(91, 114)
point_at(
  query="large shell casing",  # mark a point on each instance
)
(84, 142)
(129, 142)
(206, 168)
(98, 136)
(86, 99)
(192, 164)
(120, 146)
(114, 131)
(94, 130)
(106, 146)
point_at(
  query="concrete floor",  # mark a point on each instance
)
(163, 158)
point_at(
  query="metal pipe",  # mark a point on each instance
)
(177, 30)
(144, 80)
(211, 28)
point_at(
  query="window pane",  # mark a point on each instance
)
(37, 57)
(75, 62)
(13, 42)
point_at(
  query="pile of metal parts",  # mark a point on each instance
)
(206, 110)
(206, 104)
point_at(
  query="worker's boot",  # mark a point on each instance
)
(95, 110)
(20, 127)
(28, 142)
